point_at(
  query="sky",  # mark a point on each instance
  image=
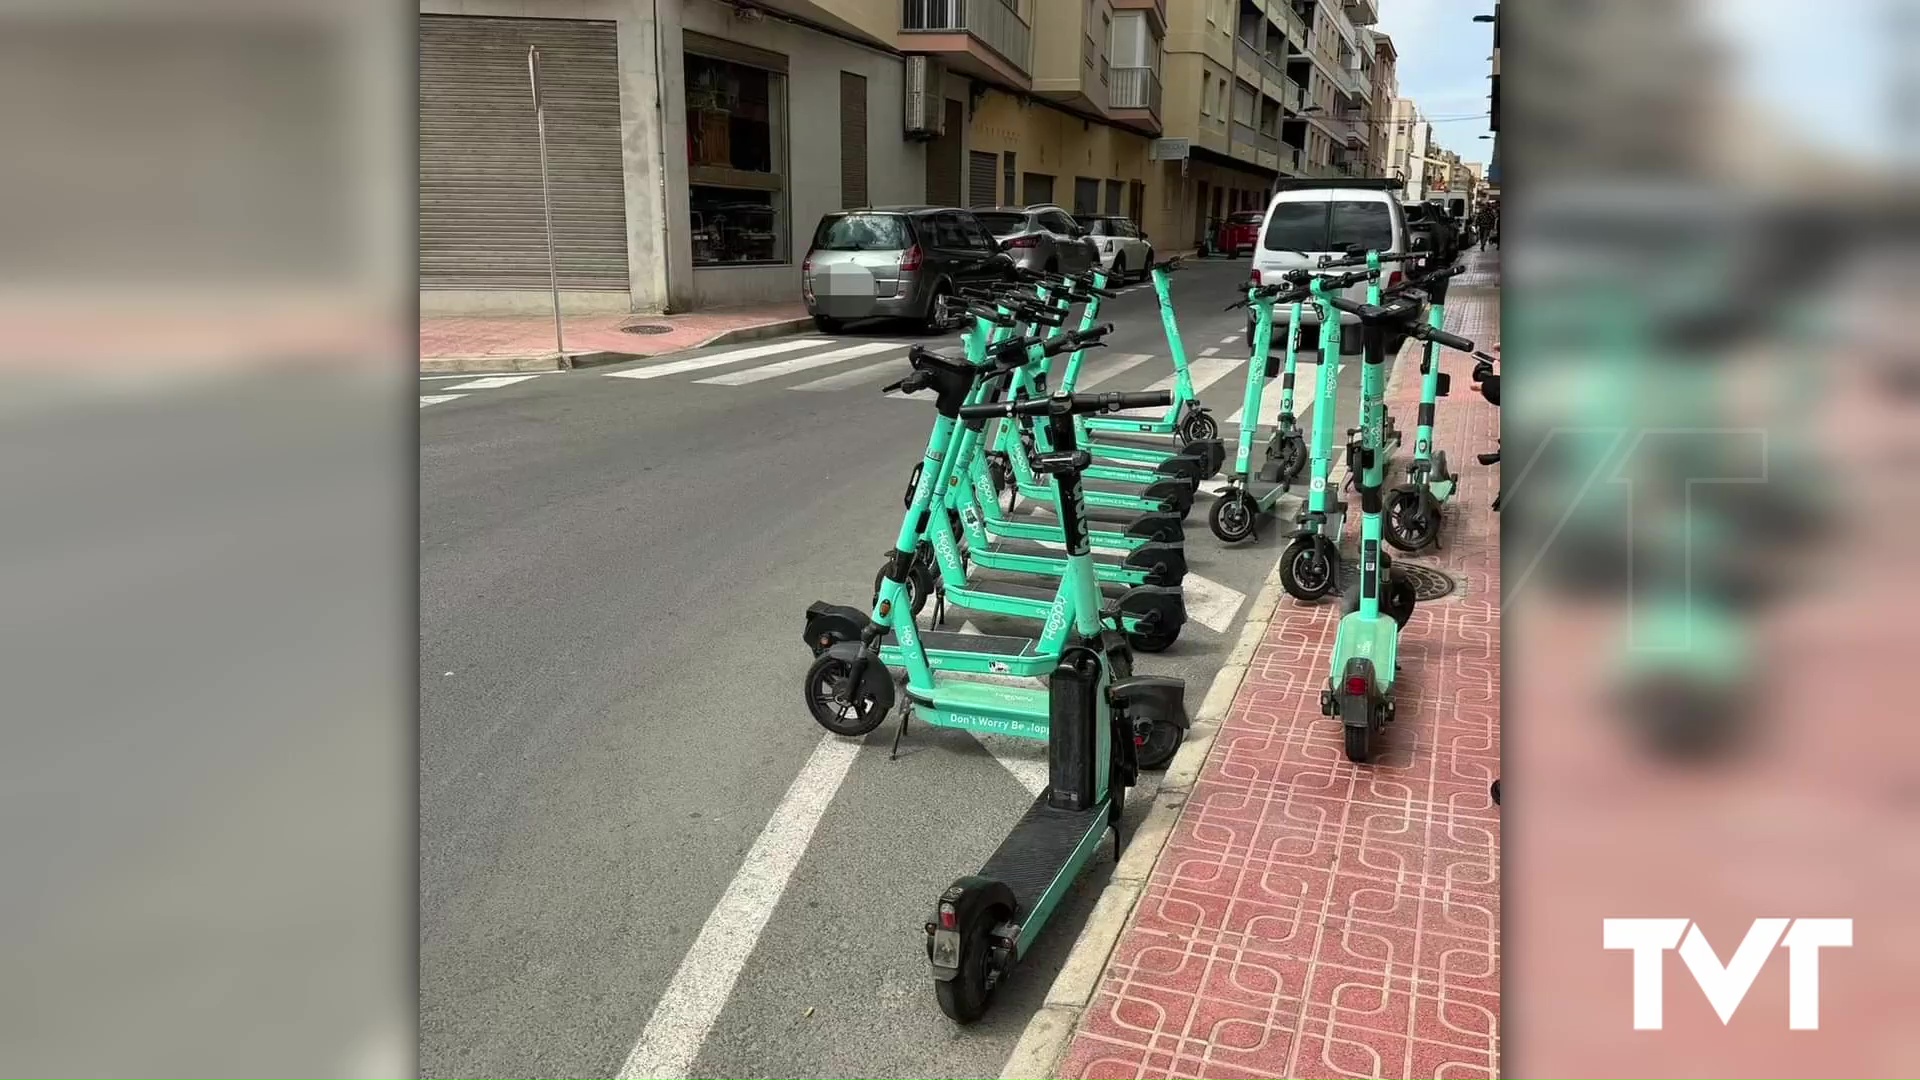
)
(1443, 66)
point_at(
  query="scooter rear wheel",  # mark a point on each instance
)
(964, 997)
(1164, 737)
(1292, 456)
(919, 586)
(1356, 720)
(831, 701)
(1232, 517)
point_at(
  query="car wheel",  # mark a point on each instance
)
(1117, 273)
(934, 322)
(1146, 271)
(826, 325)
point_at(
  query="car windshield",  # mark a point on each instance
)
(1246, 217)
(1002, 224)
(1330, 226)
(862, 232)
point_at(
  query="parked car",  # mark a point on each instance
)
(1041, 238)
(1239, 233)
(1123, 247)
(895, 262)
(1428, 221)
(1329, 217)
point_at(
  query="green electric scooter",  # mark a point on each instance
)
(1236, 509)
(1364, 670)
(1414, 509)
(1310, 565)
(1157, 735)
(986, 922)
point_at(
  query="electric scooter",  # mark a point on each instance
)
(1310, 564)
(986, 922)
(1364, 670)
(1236, 509)
(1414, 509)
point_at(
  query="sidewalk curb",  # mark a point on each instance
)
(458, 365)
(1048, 1033)
(755, 332)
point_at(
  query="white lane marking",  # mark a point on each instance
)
(493, 382)
(799, 363)
(865, 373)
(1026, 759)
(1210, 350)
(706, 976)
(1304, 374)
(1205, 372)
(435, 399)
(1230, 339)
(1109, 367)
(464, 375)
(677, 367)
(1210, 603)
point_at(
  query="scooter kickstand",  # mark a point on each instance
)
(893, 753)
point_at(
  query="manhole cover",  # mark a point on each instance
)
(1429, 584)
(646, 328)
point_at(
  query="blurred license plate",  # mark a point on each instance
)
(946, 948)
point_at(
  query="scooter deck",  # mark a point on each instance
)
(1043, 854)
(1007, 545)
(988, 644)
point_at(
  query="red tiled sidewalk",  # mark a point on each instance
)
(518, 336)
(1309, 917)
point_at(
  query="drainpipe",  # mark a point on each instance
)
(660, 131)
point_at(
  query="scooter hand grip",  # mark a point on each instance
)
(1451, 341)
(1139, 399)
(1351, 307)
(991, 315)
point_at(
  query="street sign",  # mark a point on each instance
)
(1169, 149)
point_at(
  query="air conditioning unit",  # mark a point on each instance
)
(926, 98)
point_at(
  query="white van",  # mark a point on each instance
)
(1312, 218)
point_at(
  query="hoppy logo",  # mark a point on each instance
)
(1726, 985)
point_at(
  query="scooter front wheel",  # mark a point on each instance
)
(1196, 426)
(1309, 568)
(1292, 456)
(1162, 740)
(1232, 516)
(1411, 521)
(834, 703)
(919, 586)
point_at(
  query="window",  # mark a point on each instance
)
(1330, 226)
(1206, 94)
(1242, 103)
(736, 162)
(1012, 198)
(1001, 224)
(862, 232)
(1113, 197)
(977, 235)
(1039, 188)
(1106, 38)
(948, 232)
(1056, 222)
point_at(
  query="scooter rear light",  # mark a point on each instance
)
(911, 259)
(949, 919)
(1356, 684)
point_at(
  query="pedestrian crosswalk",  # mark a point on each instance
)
(817, 364)
(467, 384)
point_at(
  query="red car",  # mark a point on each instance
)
(1239, 233)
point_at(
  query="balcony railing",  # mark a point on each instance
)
(1135, 88)
(1269, 143)
(1245, 134)
(1290, 158)
(1292, 95)
(993, 22)
(1246, 53)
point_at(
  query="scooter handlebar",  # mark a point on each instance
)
(1328, 262)
(1169, 265)
(1077, 339)
(990, 315)
(1401, 311)
(1074, 404)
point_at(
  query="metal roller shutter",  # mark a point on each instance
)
(982, 174)
(481, 222)
(943, 160)
(853, 140)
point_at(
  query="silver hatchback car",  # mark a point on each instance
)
(1041, 238)
(895, 262)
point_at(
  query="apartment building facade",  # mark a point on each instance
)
(1386, 89)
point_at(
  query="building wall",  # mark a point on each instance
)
(1048, 140)
(896, 166)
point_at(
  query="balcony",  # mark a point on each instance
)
(1360, 12)
(1289, 159)
(1293, 96)
(1156, 8)
(1245, 142)
(1351, 129)
(1296, 27)
(1135, 96)
(1245, 52)
(982, 39)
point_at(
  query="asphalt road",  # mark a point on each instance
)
(613, 574)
